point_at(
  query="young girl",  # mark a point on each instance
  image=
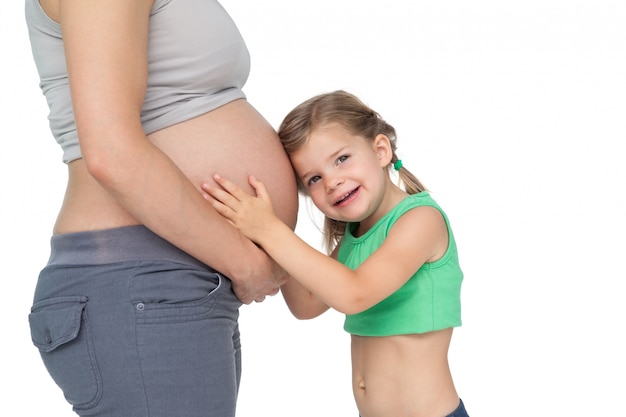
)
(393, 268)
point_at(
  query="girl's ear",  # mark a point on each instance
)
(382, 147)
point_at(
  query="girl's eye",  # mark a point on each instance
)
(342, 159)
(313, 180)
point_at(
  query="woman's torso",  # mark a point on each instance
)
(194, 109)
(403, 376)
(199, 148)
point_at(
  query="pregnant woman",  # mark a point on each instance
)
(136, 312)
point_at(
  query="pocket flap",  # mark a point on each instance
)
(56, 321)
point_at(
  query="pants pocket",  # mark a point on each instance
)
(170, 293)
(60, 330)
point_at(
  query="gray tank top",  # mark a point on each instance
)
(197, 61)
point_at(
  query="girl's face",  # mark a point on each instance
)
(344, 174)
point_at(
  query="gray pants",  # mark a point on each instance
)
(129, 325)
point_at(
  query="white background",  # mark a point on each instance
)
(512, 113)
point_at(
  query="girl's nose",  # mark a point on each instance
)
(333, 183)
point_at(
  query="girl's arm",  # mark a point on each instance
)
(106, 46)
(418, 236)
(302, 303)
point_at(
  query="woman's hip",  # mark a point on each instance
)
(124, 309)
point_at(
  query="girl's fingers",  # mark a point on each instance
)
(259, 188)
(225, 211)
(217, 194)
(229, 186)
(220, 195)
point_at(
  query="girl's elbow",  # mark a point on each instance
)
(303, 315)
(348, 310)
(352, 306)
(301, 311)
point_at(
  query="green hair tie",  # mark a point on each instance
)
(397, 165)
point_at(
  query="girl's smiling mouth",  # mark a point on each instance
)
(347, 197)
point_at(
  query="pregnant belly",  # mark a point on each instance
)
(234, 141)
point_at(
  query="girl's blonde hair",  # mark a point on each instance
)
(347, 110)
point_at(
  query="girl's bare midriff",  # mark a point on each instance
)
(233, 140)
(403, 376)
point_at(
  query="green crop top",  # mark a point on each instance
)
(430, 300)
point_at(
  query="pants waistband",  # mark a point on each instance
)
(128, 243)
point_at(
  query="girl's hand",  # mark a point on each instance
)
(252, 215)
